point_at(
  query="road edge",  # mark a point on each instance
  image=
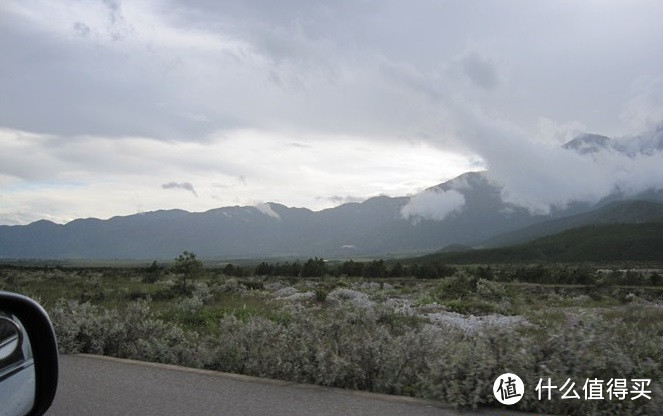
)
(274, 382)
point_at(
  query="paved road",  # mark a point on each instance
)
(93, 385)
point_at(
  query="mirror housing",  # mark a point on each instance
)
(35, 337)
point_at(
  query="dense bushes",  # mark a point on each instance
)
(359, 344)
(444, 339)
(134, 333)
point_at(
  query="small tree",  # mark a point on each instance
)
(397, 271)
(376, 268)
(352, 268)
(235, 271)
(264, 269)
(314, 268)
(187, 267)
(153, 273)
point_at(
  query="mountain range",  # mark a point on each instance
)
(380, 226)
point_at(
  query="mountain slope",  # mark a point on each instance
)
(595, 243)
(621, 212)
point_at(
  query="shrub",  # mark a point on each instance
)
(488, 290)
(153, 274)
(385, 347)
(253, 284)
(458, 286)
(321, 295)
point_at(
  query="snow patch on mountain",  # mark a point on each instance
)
(266, 209)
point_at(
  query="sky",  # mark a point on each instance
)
(115, 107)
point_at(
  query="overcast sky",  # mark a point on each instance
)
(116, 107)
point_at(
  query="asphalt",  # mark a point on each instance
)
(95, 385)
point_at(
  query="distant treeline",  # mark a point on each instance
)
(318, 267)
(424, 268)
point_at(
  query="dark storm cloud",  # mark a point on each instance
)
(480, 71)
(184, 70)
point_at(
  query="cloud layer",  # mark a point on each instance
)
(301, 101)
(541, 176)
(45, 176)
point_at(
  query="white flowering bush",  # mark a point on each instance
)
(135, 334)
(351, 296)
(367, 286)
(349, 348)
(470, 323)
(188, 306)
(285, 292)
(231, 285)
(203, 292)
(299, 297)
(393, 346)
(83, 327)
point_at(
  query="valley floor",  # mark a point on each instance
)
(440, 339)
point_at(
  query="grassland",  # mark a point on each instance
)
(445, 339)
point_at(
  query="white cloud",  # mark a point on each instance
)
(644, 110)
(541, 175)
(433, 205)
(557, 134)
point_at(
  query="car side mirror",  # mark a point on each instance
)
(28, 357)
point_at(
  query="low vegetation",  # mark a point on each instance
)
(446, 338)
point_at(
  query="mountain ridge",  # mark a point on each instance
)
(376, 226)
(467, 210)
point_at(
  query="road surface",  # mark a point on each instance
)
(94, 385)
